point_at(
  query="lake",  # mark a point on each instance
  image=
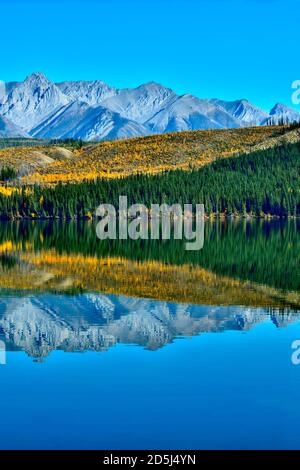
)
(141, 344)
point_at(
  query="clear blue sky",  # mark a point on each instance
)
(211, 48)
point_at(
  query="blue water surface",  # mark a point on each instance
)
(216, 390)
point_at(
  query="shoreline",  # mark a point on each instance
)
(207, 217)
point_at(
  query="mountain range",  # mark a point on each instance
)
(94, 111)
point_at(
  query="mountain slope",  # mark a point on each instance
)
(140, 104)
(79, 121)
(8, 129)
(91, 92)
(158, 153)
(2, 91)
(190, 113)
(243, 111)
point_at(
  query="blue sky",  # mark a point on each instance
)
(211, 48)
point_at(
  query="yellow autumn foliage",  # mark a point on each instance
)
(48, 270)
(157, 153)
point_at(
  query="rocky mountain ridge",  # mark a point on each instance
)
(95, 111)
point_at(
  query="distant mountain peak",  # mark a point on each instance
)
(152, 84)
(37, 77)
(283, 112)
(243, 111)
(188, 95)
(92, 92)
(281, 108)
(150, 89)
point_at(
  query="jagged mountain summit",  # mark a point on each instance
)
(94, 111)
(142, 103)
(91, 92)
(29, 102)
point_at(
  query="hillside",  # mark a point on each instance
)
(264, 182)
(28, 159)
(154, 154)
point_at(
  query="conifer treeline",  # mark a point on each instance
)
(264, 182)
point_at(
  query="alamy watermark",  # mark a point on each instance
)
(296, 93)
(2, 353)
(295, 357)
(159, 222)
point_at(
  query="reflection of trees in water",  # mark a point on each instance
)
(265, 252)
(8, 262)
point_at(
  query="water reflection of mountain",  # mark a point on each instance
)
(41, 324)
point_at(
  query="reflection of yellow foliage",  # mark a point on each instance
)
(149, 279)
(9, 190)
(6, 247)
(9, 246)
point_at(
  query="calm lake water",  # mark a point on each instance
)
(140, 344)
